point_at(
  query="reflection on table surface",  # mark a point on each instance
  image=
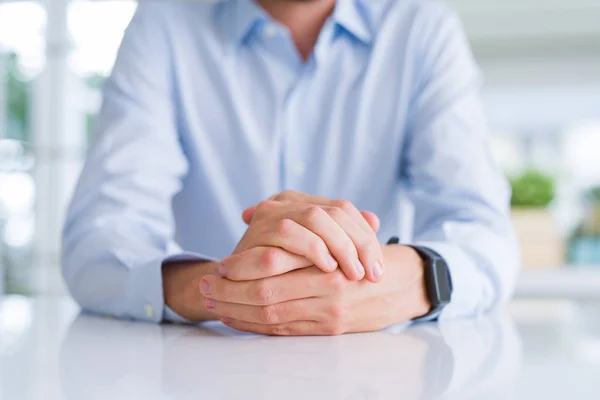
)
(119, 359)
(89, 357)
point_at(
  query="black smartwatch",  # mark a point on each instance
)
(438, 282)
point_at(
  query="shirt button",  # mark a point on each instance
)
(149, 310)
(299, 169)
(270, 31)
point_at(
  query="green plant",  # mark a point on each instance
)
(593, 195)
(532, 189)
(18, 101)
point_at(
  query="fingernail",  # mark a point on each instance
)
(360, 268)
(204, 287)
(209, 303)
(331, 261)
(222, 270)
(226, 320)
(378, 269)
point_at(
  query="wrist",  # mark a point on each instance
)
(411, 280)
(181, 288)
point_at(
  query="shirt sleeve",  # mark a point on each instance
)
(461, 199)
(119, 227)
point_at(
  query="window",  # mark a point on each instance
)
(50, 79)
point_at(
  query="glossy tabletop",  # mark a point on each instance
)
(48, 350)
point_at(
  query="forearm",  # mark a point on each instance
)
(181, 288)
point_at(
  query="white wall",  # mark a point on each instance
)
(540, 58)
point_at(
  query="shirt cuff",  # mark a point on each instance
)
(168, 314)
(428, 318)
(144, 292)
(471, 288)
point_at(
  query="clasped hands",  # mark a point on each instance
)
(308, 265)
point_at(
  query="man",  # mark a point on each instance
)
(214, 107)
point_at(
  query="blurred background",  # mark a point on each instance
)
(540, 58)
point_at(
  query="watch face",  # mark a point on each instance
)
(442, 280)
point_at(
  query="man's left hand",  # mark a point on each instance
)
(310, 302)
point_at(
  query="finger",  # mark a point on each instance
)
(293, 310)
(299, 197)
(317, 220)
(294, 196)
(297, 239)
(372, 219)
(300, 284)
(288, 195)
(291, 195)
(365, 243)
(248, 213)
(353, 212)
(268, 206)
(261, 262)
(296, 328)
(366, 257)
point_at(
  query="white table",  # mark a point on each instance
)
(532, 351)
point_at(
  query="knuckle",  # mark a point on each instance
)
(337, 312)
(270, 258)
(316, 246)
(337, 281)
(350, 249)
(314, 214)
(264, 293)
(345, 205)
(269, 314)
(284, 226)
(280, 330)
(286, 195)
(364, 245)
(265, 206)
(336, 213)
(333, 329)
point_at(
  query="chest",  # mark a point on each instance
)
(328, 125)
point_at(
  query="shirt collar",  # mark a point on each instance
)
(247, 16)
(353, 17)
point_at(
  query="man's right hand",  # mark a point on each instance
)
(316, 231)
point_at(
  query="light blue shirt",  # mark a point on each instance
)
(210, 109)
